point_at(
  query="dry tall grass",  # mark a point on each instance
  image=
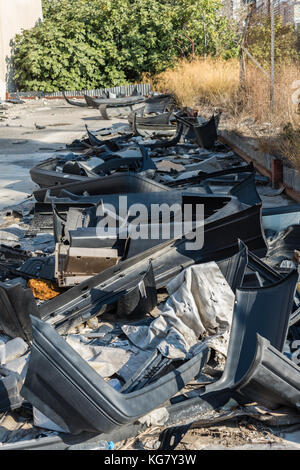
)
(203, 81)
(216, 83)
(257, 93)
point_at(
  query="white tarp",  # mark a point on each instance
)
(200, 306)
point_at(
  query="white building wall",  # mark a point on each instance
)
(15, 15)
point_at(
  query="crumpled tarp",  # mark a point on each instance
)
(200, 306)
(120, 357)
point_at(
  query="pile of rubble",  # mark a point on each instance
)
(151, 280)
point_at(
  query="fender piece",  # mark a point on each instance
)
(272, 380)
(81, 104)
(66, 389)
(204, 134)
(114, 102)
(246, 191)
(264, 310)
(111, 184)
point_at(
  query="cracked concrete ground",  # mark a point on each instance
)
(22, 145)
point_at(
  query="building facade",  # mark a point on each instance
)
(15, 15)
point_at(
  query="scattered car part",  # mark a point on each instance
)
(15, 305)
(111, 102)
(163, 143)
(55, 368)
(156, 119)
(74, 265)
(246, 191)
(282, 247)
(214, 176)
(10, 386)
(110, 184)
(38, 267)
(204, 134)
(81, 104)
(272, 379)
(280, 218)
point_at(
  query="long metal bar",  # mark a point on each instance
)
(272, 77)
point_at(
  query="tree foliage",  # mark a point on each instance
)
(258, 40)
(85, 44)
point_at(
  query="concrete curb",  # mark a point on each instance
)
(268, 165)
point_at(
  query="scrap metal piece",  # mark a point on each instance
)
(155, 124)
(58, 379)
(163, 143)
(38, 267)
(283, 247)
(213, 176)
(151, 120)
(114, 144)
(140, 299)
(44, 174)
(136, 159)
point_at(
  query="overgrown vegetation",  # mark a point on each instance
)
(214, 82)
(85, 44)
(210, 81)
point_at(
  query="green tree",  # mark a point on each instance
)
(85, 44)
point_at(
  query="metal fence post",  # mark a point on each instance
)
(272, 58)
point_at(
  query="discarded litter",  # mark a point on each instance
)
(112, 317)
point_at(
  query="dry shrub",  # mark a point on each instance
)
(216, 83)
(202, 81)
(257, 95)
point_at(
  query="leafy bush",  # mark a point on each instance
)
(85, 44)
